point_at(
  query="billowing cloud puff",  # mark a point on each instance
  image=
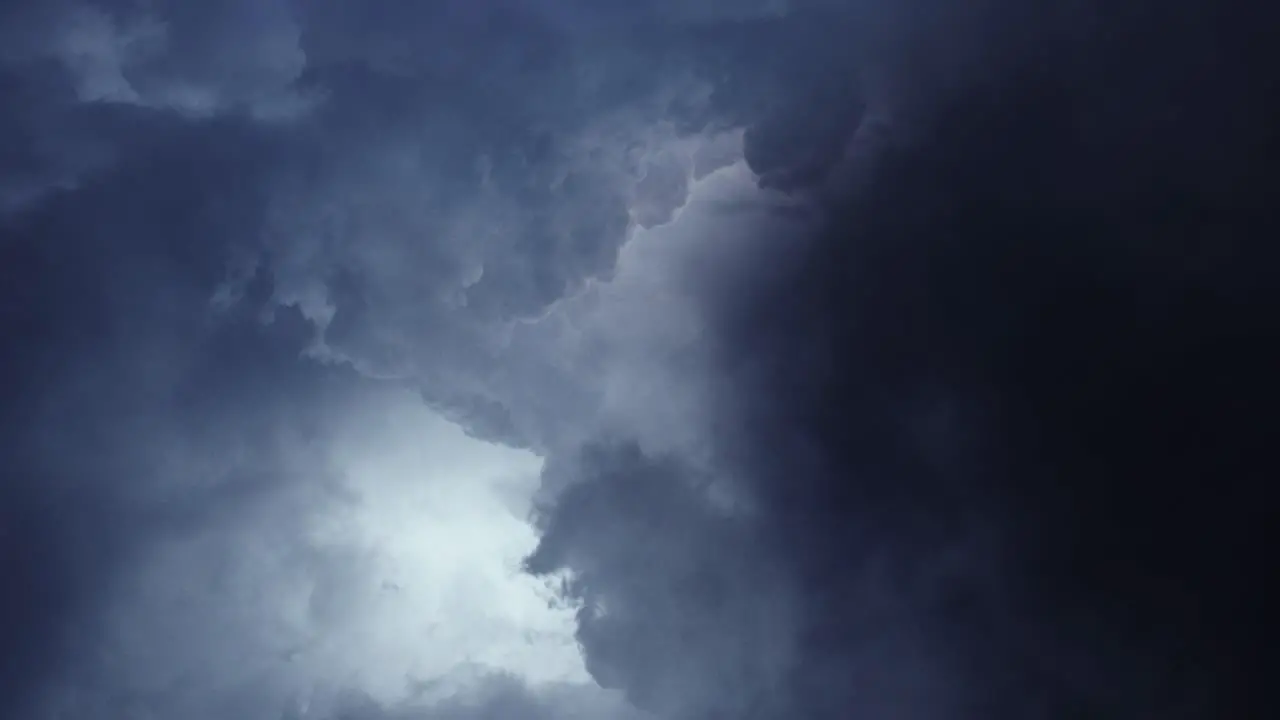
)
(995, 424)
(165, 56)
(843, 358)
(714, 635)
(224, 225)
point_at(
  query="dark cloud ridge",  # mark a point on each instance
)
(1005, 416)
(147, 310)
(111, 355)
(990, 444)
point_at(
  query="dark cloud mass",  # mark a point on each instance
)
(1006, 415)
(959, 408)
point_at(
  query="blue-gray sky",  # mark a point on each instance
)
(721, 360)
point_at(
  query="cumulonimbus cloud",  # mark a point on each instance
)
(198, 201)
(887, 434)
(972, 413)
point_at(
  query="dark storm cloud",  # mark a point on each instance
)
(130, 412)
(963, 459)
(466, 186)
(1002, 425)
(73, 69)
(195, 198)
(713, 633)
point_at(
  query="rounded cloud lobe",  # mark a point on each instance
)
(998, 423)
(869, 350)
(210, 256)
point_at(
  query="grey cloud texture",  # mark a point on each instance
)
(995, 426)
(681, 607)
(225, 225)
(817, 358)
(464, 189)
(166, 56)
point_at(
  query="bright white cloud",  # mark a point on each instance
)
(399, 580)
